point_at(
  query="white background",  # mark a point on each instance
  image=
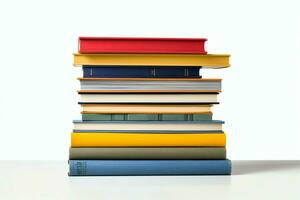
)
(260, 102)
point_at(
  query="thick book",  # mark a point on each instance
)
(93, 139)
(212, 125)
(208, 98)
(141, 45)
(140, 72)
(146, 108)
(135, 85)
(146, 117)
(145, 153)
(148, 167)
(207, 61)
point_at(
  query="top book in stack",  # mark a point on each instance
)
(141, 45)
(110, 51)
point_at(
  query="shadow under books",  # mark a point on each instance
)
(258, 166)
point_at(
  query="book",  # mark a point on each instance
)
(150, 84)
(146, 117)
(148, 167)
(146, 108)
(94, 139)
(140, 72)
(210, 98)
(165, 153)
(213, 125)
(141, 45)
(207, 61)
(149, 131)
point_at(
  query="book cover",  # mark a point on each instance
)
(207, 61)
(150, 139)
(148, 167)
(141, 45)
(140, 72)
(143, 153)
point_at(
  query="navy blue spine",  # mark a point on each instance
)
(140, 72)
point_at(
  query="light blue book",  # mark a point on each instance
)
(148, 167)
(206, 125)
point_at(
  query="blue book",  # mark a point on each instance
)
(140, 72)
(148, 167)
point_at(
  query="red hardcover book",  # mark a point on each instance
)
(141, 45)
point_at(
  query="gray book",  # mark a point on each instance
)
(148, 153)
(151, 84)
(144, 117)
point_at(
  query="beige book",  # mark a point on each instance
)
(148, 98)
(147, 108)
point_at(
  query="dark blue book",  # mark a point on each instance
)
(148, 167)
(140, 72)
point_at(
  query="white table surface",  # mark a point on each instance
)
(45, 180)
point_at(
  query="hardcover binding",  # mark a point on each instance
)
(149, 167)
(145, 117)
(147, 59)
(141, 45)
(140, 72)
(146, 153)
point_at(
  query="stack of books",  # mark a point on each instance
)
(146, 110)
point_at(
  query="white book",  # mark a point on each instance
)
(214, 125)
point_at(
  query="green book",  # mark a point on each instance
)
(165, 153)
(146, 117)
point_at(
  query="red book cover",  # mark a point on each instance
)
(141, 45)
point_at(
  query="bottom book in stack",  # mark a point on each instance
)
(148, 144)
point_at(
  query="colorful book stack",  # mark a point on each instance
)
(146, 110)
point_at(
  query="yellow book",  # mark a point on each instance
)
(146, 139)
(209, 60)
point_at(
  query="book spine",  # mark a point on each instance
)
(168, 153)
(148, 167)
(140, 72)
(93, 139)
(139, 59)
(144, 117)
